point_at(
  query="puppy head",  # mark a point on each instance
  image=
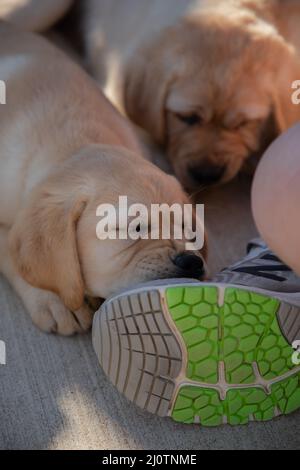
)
(214, 90)
(54, 241)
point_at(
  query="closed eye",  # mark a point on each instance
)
(241, 124)
(192, 119)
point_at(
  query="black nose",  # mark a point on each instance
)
(190, 265)
(206, 174)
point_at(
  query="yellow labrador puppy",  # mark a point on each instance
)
(210, 80)
(64, 151)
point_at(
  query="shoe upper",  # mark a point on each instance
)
(262, 269)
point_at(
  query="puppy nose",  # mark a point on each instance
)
(190, 265)
(206, 174)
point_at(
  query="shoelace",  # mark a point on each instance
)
(266, 271)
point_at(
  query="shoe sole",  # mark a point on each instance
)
(210, 354)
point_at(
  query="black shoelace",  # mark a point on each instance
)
(267, 271)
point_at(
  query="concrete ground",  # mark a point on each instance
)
(53, 394)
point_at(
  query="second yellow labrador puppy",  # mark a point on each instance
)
(64, 151)
(209, 79)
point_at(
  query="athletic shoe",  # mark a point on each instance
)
(208, 353)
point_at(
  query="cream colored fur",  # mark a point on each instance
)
(228, 63)
(65, 150)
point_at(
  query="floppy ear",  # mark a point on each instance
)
(148, 78)
(43, 241)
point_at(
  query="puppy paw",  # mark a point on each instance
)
(49, 314)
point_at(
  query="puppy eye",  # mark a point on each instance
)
(190, 119)
(138, 228)
(241, 124)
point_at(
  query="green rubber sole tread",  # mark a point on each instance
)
(241, 337)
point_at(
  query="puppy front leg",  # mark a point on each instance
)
(45, 308)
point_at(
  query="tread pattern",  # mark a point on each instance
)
(204, 406)
(251, 334)
(231, 346)
(138, 351)
(196, 315)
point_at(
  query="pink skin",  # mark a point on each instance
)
(276, 197)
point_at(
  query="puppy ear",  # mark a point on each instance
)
(148, 78)
(43, 241)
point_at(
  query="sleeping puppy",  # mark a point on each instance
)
(209, 80)
(64, 151)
